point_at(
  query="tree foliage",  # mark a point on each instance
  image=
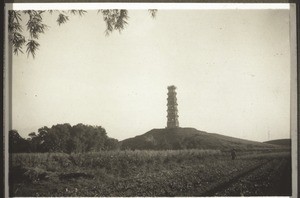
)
(115, 20)
(63, 138)
(19, 143)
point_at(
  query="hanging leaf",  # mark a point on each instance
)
(14, 15)
(35, 25)
(15, 26)
(18, 41)
(121, 21)
(32, 46)
(74, 12)
(114, 19)
(62, 19)
(15, 31)
(82, 12)
(79, 12)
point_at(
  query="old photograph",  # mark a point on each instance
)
(181, 100)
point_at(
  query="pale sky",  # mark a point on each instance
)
(231, 69)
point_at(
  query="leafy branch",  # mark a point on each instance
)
(15, 31)
(115, 20)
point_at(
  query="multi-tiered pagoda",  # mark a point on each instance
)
(172, 108)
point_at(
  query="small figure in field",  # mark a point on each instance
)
(233, 154)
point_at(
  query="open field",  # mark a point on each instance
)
(151, 173)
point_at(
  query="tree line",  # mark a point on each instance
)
(63, 138)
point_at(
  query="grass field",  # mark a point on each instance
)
(150, 173)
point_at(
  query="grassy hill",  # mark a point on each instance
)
(280, 142)
(189, 138)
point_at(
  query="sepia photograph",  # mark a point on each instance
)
(149, 100)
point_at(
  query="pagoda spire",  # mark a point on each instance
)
(172, 108)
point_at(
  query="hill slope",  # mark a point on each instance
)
(188, 138)
(281, 142)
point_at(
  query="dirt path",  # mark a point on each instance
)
(283, 184)
(272, 178)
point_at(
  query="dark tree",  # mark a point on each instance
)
(68, 139)
(17, 144)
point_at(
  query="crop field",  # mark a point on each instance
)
(151, 173)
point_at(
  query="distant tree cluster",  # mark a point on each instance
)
(63, 138)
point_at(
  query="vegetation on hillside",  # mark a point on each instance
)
(189, 138)
(281, 142)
